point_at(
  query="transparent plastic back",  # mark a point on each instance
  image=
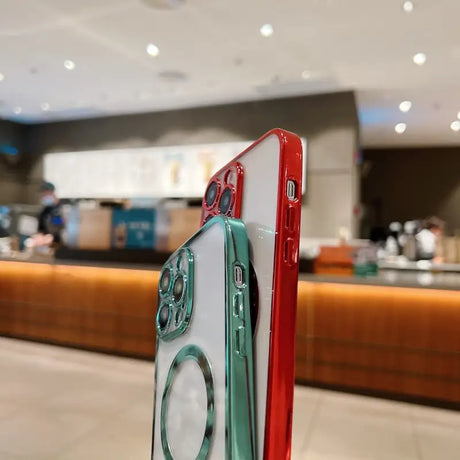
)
(187, 411)
(261, 169)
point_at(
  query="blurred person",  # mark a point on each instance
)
(50, 220)
(427, 238)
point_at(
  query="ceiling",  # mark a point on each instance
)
(211, 51)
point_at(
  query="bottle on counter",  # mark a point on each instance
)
(408, 240)
(392, 247)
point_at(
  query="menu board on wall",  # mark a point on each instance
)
(178, 171)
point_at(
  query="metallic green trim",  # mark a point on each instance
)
(185, 304)
(194, 353)
(240, 413)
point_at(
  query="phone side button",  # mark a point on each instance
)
(238, 275)
(290, 218)
(241, 341)
(290, 252)
(238, 305)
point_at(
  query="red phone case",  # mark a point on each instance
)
(281, 372)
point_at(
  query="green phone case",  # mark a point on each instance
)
(175, 320)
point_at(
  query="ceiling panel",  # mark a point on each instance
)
(212, 52)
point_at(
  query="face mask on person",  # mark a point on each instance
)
(48, 200)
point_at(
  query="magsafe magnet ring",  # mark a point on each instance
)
(195, 354)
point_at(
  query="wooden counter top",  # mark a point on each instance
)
(386, 277)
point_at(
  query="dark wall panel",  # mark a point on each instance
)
(403, 184)
(14, 163)
(305, 115)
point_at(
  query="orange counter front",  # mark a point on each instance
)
(92, 307)
(388, 340)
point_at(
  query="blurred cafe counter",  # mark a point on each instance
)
(379, 326)
(395, 334)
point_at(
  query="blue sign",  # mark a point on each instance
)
(8, 149)
(133, 228)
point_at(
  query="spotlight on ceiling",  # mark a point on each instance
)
(266, 30)
(455, 126)
(69, 65)
(419, 58)
(45, 106)
(17, 110)
(408, 7)
(2, 77)
(400, 128)
(405, 106)
(153, 50)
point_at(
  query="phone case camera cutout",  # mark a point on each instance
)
(204, 382)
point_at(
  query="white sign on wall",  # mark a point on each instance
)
(179, 171)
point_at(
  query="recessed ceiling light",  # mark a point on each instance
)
(405, 106)
(17, 110)
(458, 115)
(400, 128)
(153, 50)
(266, 30)
(408, 7)
(306, 74)
(455, 125)
(45, 106)
(419, 58)
(69, 65)
(2, 77)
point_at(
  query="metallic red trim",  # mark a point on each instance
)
(281, 372)
(237, 192)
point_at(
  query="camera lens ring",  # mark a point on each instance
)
(165, 281)
(179, 287)
(226, 200)
(163, 319)
(179, 316)
(212, 193)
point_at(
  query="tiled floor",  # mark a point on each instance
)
(57, 403)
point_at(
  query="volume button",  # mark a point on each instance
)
(290, 252)
(290, 218)
(241, 341)
(238, 305)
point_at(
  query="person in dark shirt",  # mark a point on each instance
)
(50, 221)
